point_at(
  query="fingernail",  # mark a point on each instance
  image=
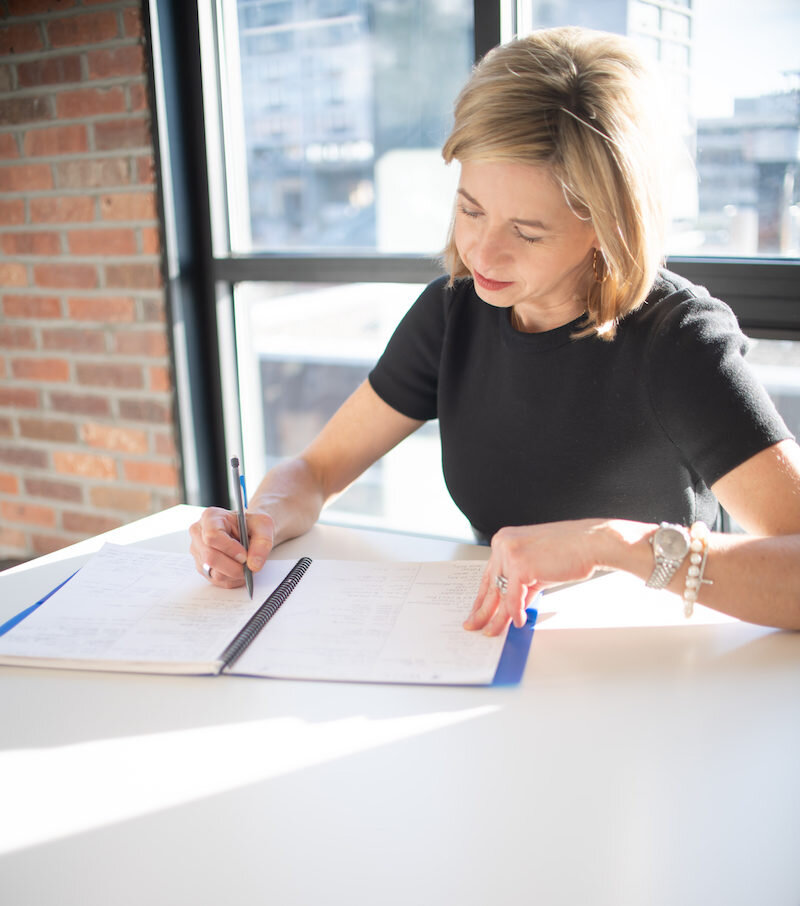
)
(241, 558)
(256, 563)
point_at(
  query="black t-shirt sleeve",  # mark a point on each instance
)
(407, 374)
(708, 399)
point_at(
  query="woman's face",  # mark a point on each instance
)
(522, 243)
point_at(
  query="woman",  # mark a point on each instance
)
(583, 395)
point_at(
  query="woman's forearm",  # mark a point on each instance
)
(292, 495)
(756, 579)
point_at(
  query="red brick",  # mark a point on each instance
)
(133, 276)
(65, 276)
(25, 177)
(132, 22)
(28, 513)
(128, 206)
(153, 310)
(12, 213)
(88, 523)
(62, 209)
(19, 397)
(30, 369)
(48, 429)
(16, 110)
(74, 340)
(39, 243)
(145, 170)
(113, 135)
(13, 274)
(165, 445)
(21, 38)
(102, 308)
(6, 427)
(9, 484)
(32, 307)
(138, 96)
(55, 140)
(23, 456)
(6, 81)
(109, 374)
(111, 437)
(12, 539)
(89, 102)
(150, 411)
(160, 379)
(152, 343)
(46, 544)
(8, 147)
(54, 490)
(12, 337)
(80, 403)
(111, 498)
(74, 31)
(29, 7)
(102, 242)
(116, 62)
(94, 173)
(151, 241)
(87, 465)
(58, 70)
(153, 473)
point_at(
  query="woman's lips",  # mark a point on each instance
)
(486, 283)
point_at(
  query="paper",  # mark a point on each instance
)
(150, 611)
(386, 622)
(133, 606)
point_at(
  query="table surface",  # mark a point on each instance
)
(643, 759)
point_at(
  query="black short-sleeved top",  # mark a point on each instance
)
(542, 427)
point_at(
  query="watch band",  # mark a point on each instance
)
(662, 572)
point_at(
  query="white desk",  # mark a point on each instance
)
(640, 764)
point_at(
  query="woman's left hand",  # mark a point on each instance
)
(530, 558)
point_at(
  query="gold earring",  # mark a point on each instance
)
(597, 278)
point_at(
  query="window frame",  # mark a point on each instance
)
(764, 293)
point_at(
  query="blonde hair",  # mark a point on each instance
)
(582, 103)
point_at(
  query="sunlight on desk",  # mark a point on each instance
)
(71, 789)
(616, 601)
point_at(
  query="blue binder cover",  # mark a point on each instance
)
(10, 624)
(515, 652)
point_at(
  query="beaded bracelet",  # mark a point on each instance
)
(697, 566)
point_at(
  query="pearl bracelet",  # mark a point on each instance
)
(698, 547)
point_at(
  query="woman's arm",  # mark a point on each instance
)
(290, 497)
(756, 579)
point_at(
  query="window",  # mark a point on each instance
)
(320, 202)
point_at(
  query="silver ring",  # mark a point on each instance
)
(207, 571)
(502, 583)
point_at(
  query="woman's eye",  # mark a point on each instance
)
(530, 239)
(469, 212)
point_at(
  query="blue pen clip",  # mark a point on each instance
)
(244, 490)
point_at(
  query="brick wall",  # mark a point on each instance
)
(87, 433)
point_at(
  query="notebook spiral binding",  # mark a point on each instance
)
(265, 613)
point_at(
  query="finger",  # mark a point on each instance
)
(482, 590)
(485, 610)
(215, 577)
(498, 623)
(261, 530)
(213, 544)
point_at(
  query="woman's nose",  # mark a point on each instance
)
(491, 249)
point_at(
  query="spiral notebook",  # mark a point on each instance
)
(131, 609)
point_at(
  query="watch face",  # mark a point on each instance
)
(672, 543)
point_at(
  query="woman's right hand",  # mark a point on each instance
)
(216, 548)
